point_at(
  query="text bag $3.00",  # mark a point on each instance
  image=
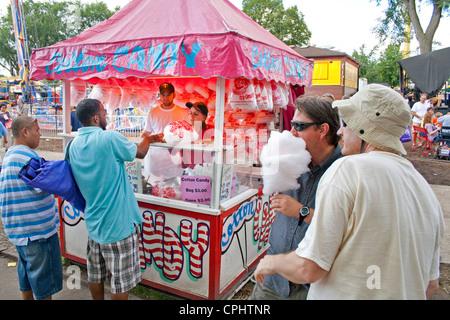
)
(54, 177)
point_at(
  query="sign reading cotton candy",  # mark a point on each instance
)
(284, 158)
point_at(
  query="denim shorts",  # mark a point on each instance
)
(40, 267)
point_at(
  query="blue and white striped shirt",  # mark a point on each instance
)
(27, 213)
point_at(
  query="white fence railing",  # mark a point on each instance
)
(50, 125)
(130, 126)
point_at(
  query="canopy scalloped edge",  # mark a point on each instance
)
(228, 55)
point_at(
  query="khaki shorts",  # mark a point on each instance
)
(120, 259)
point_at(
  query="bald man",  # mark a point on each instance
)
(30, 217)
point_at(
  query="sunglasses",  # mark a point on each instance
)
(300, 126)
(32, 121)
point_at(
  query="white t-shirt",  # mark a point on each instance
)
(159, 162)
(158, 118)
(377, 229)
(420, 108)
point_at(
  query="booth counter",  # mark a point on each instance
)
(191, 252)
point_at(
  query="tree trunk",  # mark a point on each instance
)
(425, 38)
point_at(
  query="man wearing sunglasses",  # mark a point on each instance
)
(378, 224)
(317, 123)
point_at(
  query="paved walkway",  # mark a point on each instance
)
(443, 195)
(75, 285)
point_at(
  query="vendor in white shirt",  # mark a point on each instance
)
(158, 163)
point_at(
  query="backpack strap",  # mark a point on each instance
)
(67, 152)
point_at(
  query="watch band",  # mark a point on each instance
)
(303, 213)
(300, 220)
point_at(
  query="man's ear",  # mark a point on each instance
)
(24, 132)
(324, 129)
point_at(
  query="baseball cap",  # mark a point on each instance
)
(200, 106)
(166, 87)
(378, 115)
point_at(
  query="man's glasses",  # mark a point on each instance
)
(300, 126)
(32, 121)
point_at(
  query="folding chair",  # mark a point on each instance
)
(443, 151)
(424, 137)
(445, 134)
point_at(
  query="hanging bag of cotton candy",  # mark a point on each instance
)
(284, 159)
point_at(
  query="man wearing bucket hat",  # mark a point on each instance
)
(378, 226)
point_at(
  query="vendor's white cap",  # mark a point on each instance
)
(378, 115)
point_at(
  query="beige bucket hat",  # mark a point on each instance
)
(378, 115)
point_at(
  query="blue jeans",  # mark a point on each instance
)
(40, 267)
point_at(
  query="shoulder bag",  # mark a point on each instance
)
(54, 177)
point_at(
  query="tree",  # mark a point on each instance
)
(401, 13)
(387, 67)
(368, 63)
(382, 69)
(288, 25)
(47, 23)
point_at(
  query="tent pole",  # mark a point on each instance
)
(66, 112)
(218, 143)
(401, 80)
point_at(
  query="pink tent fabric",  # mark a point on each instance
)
(173, 38)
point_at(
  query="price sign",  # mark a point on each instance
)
(196, 189)
(134, 175)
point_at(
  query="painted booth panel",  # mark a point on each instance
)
(186, 253)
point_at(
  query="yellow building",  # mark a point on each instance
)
(334, 72)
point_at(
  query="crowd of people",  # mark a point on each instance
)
(6, 118)
(426, 116)
(364, 224)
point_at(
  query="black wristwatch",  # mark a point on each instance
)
(304, 212)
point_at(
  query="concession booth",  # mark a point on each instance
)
(206, 225)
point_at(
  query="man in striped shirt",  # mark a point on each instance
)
(30, 217)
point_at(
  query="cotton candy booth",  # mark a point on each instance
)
(206, 220)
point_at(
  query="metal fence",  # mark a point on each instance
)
(130, 126)
(50, 125)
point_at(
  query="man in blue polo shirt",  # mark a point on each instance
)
(97, 159)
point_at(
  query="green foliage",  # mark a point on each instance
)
(401, 13)
(47, 23)
(388, 68)
(382, 69)
(288, 25)
(394, 22)
(367, 63)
